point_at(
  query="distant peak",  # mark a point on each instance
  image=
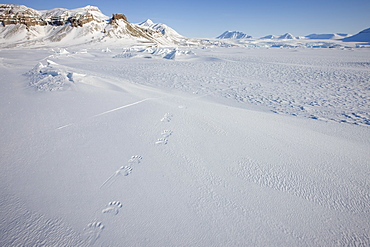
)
(287, 36)
(148, 22)
(233, 35)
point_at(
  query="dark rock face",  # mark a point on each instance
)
(56, 21)
(118, 17)
(18, 14)
(80, 20)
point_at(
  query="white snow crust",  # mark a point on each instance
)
(184, 146)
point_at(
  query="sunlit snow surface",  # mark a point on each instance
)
(185, 147)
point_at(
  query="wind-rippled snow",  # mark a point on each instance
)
(147, 146)
(331, 85)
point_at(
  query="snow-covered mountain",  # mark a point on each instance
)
(327, 36)
(166, 31)
(284, 36)
(234, 35)
(270, 36)
(363, 36)
(24, 26)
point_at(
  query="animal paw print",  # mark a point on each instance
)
(125, 170)
(161, 141)
(166, 133)
(167, 117)
(93, 231)
(112, 208)
(95, 226)
(134, 160)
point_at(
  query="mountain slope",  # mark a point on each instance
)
(363, 36)
(167, 32)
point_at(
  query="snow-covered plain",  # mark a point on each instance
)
(185, 147)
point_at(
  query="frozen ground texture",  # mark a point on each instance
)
(184, 147)
(332, 85)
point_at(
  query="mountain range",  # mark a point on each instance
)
(363, 36)
(24, 26)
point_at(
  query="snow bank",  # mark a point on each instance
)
(49, 77)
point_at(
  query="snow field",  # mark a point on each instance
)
(187, 151)
(319, 84)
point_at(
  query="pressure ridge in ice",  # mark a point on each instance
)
(166, 53)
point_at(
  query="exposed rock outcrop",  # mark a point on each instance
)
(19, 14)
(116, 17)
(80, 20)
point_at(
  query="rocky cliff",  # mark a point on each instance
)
(19, 14)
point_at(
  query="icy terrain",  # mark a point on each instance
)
(183, 146)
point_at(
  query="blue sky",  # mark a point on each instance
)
(210, 18)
